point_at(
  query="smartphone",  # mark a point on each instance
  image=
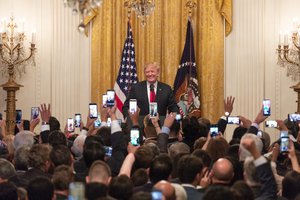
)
(104, 100)
(108, 151)
(70, 125)
(1, 116)
(76, 191)
(93, 110)
(259, 134)
(153, 109)
(132, 105)
(34, 112)
(108, 121)
(18, 116)
(156, 195)
(284, 141)
(267, 107)
(97, 122)
(135, 137)
(77, 120)
(271, 124)
(214, 131)
(110, 98)
(178, 117)
(294, 117)
(233, 120)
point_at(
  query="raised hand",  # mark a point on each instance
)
(228, 104)
(45, 112)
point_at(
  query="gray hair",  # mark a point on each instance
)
(243, 153)
(77, 147)
(23, 138)
(7, 169)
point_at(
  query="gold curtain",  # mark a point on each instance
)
(162, 40)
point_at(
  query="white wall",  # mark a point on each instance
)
(62, 73)
(251, 68)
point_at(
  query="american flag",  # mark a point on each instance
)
(127, 72)
(186, 90)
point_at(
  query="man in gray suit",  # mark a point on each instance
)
(143, 93)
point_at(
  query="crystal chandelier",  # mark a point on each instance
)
(143, 9)
(84, 7)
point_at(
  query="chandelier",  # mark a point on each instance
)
(84, 7)
(289, 52)
(143, 8)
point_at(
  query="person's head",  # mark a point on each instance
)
(222, 171)
(23, 138)
(160, 168)
(167, 189)
(21, 158)
(61, 155)
(43, 138)
(105, 134)
(203, 155)
(291, 185)
(57, 138)
(198, 144)
(121, 187)
(77, 147)
(40, 188)
(99, 172)
(243, 153)
(39, 157)
(95, 191)
(139, 177)
(92, 152)
(174, 129)
(62, 177)
(152, 71)
(239, 132)
(218, 192)
(189, 169)
(8, 191)
(217, 148)
(154, 148)
(54, 124)
(7, 170)
(242, 191)
(143, 157)
(178, 148)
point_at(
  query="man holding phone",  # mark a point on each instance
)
(151, 90)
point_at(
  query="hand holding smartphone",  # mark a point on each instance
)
(284, 141)
(93, 110)
(77, 120)
(34, 112)
(214, 130)
(97, 122)
(104, 100)
(267, 107)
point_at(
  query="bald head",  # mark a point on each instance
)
(167, 189)
(222, 171)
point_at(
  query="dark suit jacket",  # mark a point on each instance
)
(164, 98)
(193, 193)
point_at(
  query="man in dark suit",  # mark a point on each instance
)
(143, 93)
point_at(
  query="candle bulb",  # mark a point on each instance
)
(280, 38)
(1, 37)
(33, 38)
(285, 39)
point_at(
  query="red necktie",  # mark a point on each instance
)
(152, 93)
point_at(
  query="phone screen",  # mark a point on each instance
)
(156, 195)
(153, 109)
(271, 124)
(284, 141)
(233, 120)
(110, 98)
(97, 122)
(135, 137)
(214, 131)
(104, 100)
(108, 121)
(76, 191)
(77, 120)
(259, 134)
(294, 117)
(108, 151)
(34, 112)
(70, 125)
(93, 110)
(132, 105)
(266, 107)
(178, 117)
(18, 116)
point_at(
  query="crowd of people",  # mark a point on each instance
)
(177, 159)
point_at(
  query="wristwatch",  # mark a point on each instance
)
(45, 123)
(227, 114)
